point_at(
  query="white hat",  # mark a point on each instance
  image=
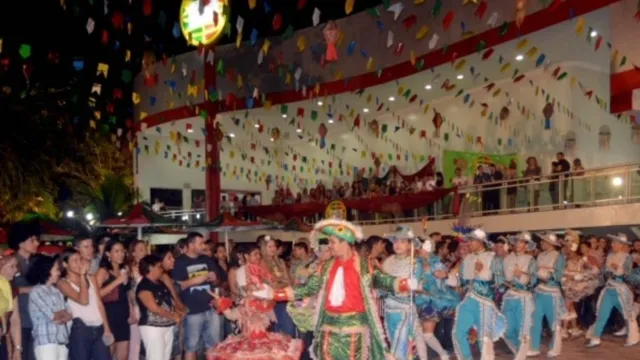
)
(619, 237)
(550, 237)
(524, 236)
(479, 234)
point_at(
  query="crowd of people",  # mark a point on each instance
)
(334, 295)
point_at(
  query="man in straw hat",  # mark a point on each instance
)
(549, 302)
(520, 276)
(616, 293)
(400, 317)
(480, 272)
(347, 325)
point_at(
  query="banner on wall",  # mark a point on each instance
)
(468, 162)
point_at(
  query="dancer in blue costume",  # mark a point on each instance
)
(520, 275)
(440, 299)
(400, 317)
(548, 295)
(480, 274)
(616, 293)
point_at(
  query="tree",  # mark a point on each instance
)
(111, 198)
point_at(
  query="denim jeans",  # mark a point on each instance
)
(284, 323)
(206, 326)
(85, 342)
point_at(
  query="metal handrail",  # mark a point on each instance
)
(627, 191)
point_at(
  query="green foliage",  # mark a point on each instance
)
(113, 196)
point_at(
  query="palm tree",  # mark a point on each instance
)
(111, 198)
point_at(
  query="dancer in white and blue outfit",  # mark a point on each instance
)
(400, 316)
(439, 300)
(520, 275)
(549, 302)
(616, 293)
(480, 274)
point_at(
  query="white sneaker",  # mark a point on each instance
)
(576, 332)
(444, 357)
(631, 344)
(552, 354)
(593, 343)
(621, 332)
(533, 353)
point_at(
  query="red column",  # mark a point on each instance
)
(212, 148)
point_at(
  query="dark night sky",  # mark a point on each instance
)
(58, 37)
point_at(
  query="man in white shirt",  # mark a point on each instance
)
(157, 205)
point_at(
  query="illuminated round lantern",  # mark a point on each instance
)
(202, 21)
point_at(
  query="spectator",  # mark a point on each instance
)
(137, 250)
(86, 248)
(579, 184)
(48, 310)
(157, 205)
(560, 166)
(495, 176)
(113, 281)
(196, 275)
(532, 173)
(10, 332)
(24, 238)
(512, 187)
(90, 332)
(157, 315)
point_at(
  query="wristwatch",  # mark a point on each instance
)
(18, 348)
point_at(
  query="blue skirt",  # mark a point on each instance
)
(437, 305)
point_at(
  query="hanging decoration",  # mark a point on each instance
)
(521, 11)
(331, 34)
(504, 115)
(604, 137)
(275, 134)
(374, 128)
(547, 111)
(322, 131)
(149, 69)
(437, 123)
(202, 21)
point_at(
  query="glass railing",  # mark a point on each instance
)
(593, 187)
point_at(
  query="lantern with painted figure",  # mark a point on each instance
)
(547, 111)
(374, 127)
(521, 11)
(275, 134)
(331, 34)
(570, 144)
(437, 123)
(322, 131)
(504, 115)
(604, 137)
(149, 69)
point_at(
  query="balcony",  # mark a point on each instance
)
(596, 197)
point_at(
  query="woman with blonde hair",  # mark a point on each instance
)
(11, 345)
(280, 275)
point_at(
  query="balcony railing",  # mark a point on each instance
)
(589, 188)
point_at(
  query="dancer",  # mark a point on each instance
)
(347, 326)
(439, 300)
(520, 277)
(400, 316)
(480, 274)
(581, 279)
(548, 295)
(616, 293)
(254, 342)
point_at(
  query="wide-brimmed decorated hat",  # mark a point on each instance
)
(523, 236)
(404, 232)
(341, 229)
(550, 237)
(479, 234)
(620, 237)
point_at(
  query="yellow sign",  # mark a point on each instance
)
(202, 26)
(336, 210)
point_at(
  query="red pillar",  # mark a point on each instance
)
(212, 149)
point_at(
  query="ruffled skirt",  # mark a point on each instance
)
(270, 346)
